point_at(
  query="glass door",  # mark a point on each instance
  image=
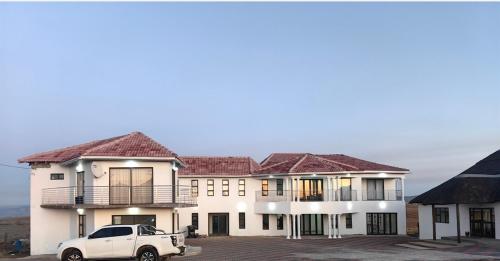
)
(482, 222)
(80, 187)
(142, 186)
(119, 186)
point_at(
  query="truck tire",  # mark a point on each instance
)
(148, 254)
(73, 255)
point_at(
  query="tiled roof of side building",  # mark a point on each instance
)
(135, 144)
(281, 163)
(218, 166)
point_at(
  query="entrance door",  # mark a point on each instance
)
(381, 223)
(482, 222)
(311, 224)
(220, 224)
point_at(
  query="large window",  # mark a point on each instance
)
(265, 187)
(442, 215)
(81, 225)
(225, 187)
(381, 223)
(279, 187)
(375, 189)
(241, 219)
(345, 189)
(265, 221)
(194, 220)
(348, 220)
(279, 222)
(134, 220)
(241, 187)
(194, 188)
(130, 186)
(210, 187)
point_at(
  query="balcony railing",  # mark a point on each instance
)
(387, 195)
(325, 195)
(117, 195)
(347, 195)
(273, 195)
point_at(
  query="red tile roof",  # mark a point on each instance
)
(134, 144)
(218, 166)
(281, 163)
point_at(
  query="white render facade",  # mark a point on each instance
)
(329, 207)
(132, 179)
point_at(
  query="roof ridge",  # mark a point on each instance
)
(275, 164)
(109, 143)
(298, 162)
(266, 159)
(336, 162)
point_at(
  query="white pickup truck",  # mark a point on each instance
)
(141, 242)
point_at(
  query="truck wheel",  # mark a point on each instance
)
(148, 254)
(73, 255)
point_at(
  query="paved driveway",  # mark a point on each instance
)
(381, 248)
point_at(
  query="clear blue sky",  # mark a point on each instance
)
(413, 85)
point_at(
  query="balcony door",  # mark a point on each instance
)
(311, 189)
(482, 222)
(375, 189)
(130, 186)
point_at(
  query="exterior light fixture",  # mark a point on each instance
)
(271, 206)
(382, 205)
(80, 211)
(133, 211)
(382, 175)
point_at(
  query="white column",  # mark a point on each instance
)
(329, 226)
(334, 229)
(327, 194)
(294, 231)
(288, 226)
(298, 226)
(338, 230)
(403, 189)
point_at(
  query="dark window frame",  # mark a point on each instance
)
(82, 224)
(279, 187)
(442, 215)
(348, 220)
(194, 188)
(265, 187)
(195, 220)
(241, 191)
(56, 176)
(210, 187)
(133, 217)
(241, 220)
(265, 221)
(225, 187)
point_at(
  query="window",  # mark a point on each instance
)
(381, 223)
(265, 221)
(241, 218)
(101, 233)
(225, 187)
(442, 215)
(194, 188)
(122, 231)
(348, 221)
(241, 187)
(130, 186)
(134, 219)
(194, 220)
(279, 187)
(210, 187)
(346, 194)
(265, 187)
(56, 176)
(279, 222)
(81, 225)
(375, 189)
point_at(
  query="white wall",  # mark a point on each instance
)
(450, 229)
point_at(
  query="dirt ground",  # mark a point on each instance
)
(12, 229)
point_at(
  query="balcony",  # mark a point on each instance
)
(324, 195)
(386, 195)
(161, 196)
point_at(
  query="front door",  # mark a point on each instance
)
(482, 222)
(311, 224)
(220, 224)
(381, 223)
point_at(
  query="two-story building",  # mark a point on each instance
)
(132, 179)
(128, 179)
(330, 195)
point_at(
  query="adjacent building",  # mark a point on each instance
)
(465, 205)
(133, 179)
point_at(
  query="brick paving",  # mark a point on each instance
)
(321, 248)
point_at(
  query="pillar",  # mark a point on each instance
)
(338, 224)
(294, 231)
(459, 240)
(288, 226)
(298, 192)
(329, 226)
(433, 222)
(298, 226)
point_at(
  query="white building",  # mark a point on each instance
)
(132, 179)
(474, 193)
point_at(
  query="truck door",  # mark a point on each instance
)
(123, 242)
(100, 244)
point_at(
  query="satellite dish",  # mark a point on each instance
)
(97, 170)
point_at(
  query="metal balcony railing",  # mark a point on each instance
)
(117, 195)
(346, 195)
(387, 195)
(273, 195)
(324, 195)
